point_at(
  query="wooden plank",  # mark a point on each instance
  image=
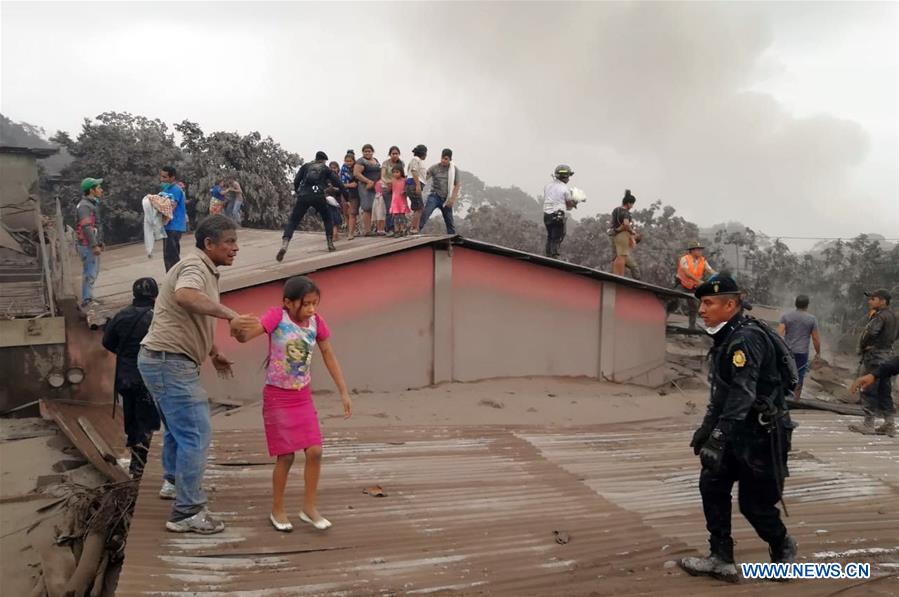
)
(32, 332)
(96, 439)
(836, 407)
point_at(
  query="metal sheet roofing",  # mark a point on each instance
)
(255, 263)
(474, 510)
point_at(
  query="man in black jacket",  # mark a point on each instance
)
(309, 185)
(875, 347)
(123, 335)
(745, 435)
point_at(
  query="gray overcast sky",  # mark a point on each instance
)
(782, 116)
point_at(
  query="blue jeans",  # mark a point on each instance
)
(433, 203)
(174, 382)
(801, 365)
(233, 210)
(90, 272)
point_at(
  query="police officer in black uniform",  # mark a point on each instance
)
(122, 336)
(875, 347)
(309, 185)
(745, 435)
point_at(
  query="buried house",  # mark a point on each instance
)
(412, 312)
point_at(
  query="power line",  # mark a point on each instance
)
(776, 236)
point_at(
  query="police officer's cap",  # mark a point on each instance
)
(881, 293)
(719, 284)
(145, 288)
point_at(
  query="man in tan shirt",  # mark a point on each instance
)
(178, 342)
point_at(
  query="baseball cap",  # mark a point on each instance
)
(881, 293)
(89, 183)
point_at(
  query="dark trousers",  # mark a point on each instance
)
(692, 305)
(141, 420)
(877, 399)
(387, 195)
(304, 202)
(171, 249)
(555, 233)
(437, 202)
(758, 496)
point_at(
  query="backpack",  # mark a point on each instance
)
(316, 175)
(783, 356)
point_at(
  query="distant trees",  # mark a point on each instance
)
(262, 167)
(128, 151)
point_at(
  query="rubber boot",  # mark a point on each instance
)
(866, 428)
(719, 563)
(331, 246)
(888, 428)
(784, 552)
(282, 250)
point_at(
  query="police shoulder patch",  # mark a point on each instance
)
(739, 358)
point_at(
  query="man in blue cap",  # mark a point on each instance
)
(745, 435)
(89, 232)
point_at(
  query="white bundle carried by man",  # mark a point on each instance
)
(577, 195)
(157, 213)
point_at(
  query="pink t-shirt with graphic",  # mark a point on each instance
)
(290, 348)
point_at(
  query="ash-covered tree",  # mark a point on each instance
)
(126, 151)
(499, 225)
(262, 167)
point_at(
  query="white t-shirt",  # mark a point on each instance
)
(417, 166)
(555, 194)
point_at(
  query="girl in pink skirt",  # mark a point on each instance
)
(291, 422)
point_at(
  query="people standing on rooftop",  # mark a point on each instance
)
(367, 171)
(89, 232)
(399, 205)
(309, 186)
(171, 249)
(352, 195)
(415, 184)
(445, 183)
(387, 184)
(556, 201)
(624, 237)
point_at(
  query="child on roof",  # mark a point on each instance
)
(291, 421)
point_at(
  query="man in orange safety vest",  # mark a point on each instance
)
(691, 269)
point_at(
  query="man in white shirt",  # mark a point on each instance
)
(556, 201)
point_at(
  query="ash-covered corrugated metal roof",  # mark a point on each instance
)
(474, 511)
(255, 262)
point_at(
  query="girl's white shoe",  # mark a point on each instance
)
(284, 527)
(321, 523)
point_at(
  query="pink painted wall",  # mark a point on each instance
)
(639, 335)
(380, 313)
(514, 318)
